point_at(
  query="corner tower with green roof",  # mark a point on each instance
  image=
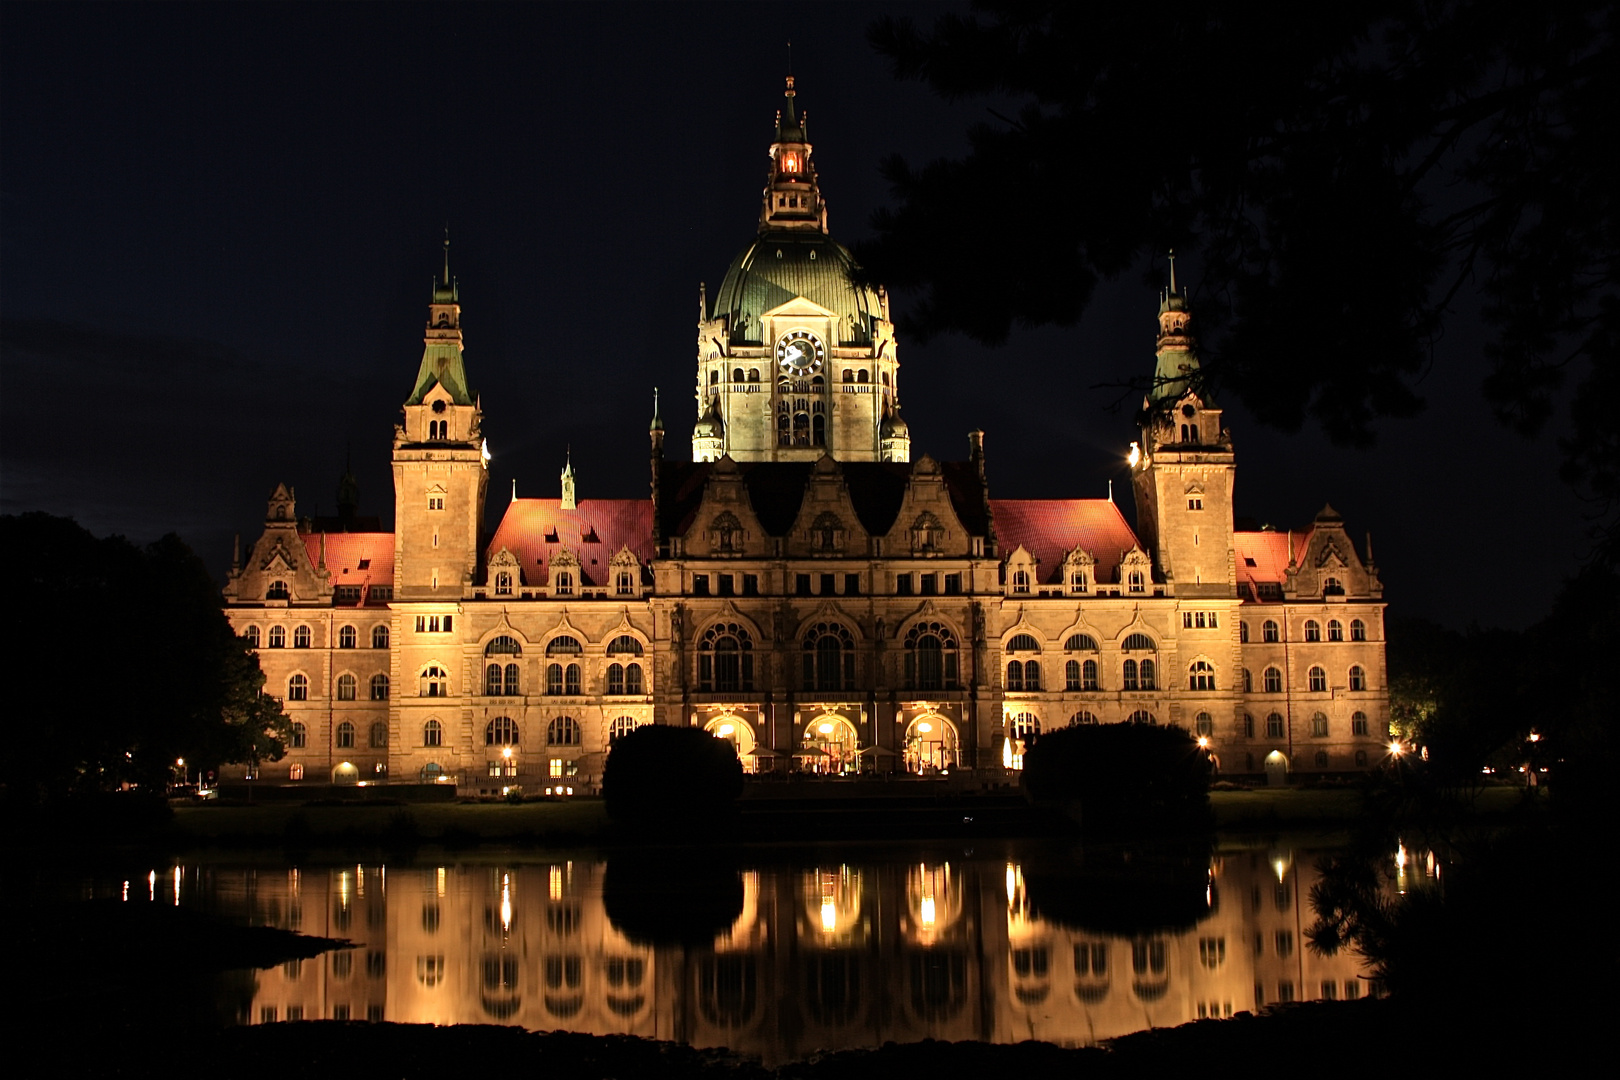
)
(440, 465)
(795, 360)
(1182, 471)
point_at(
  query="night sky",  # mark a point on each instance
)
(220, 223)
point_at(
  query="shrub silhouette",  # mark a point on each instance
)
(1121, 777)
(664, 775)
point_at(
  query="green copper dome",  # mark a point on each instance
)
(779, 266)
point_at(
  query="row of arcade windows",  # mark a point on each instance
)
(275, 637)
(1316, 680)
(1270, 631)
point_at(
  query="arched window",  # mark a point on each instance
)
(379, 735)
(277, 638)
(863, 376)
(564, 646)
(563, 583)
(1268, 631)
(1201, 676)
(1023, 643)
(1248, 681)
(298, 688)
(252, 636)
(1332, 587)
(615, 679)
(1319, 725)
(1025, 726)
(632, 679)
(433, 682)
(379, 688)
(621, 727)
(562, 680)
(1071, 676)
(379, 637)
(1313, 630)
(1358, 677)
(1015, 675)
(1081, 643)
(1335, 630)
(347, 685)
(931, 662)
(1321, 759)
(345, 736)
(1274, 726)
(1032, 675)
(492, 679)
(348, 637)
(277, 591)
(1358, 630)
(1139, 643)
(753, 374)
(1129, 678)
(1248, 725)
(829, 657)
(1204, 724)
(562, 731)
(1318, 679)
(300, 736)
(301, 638)
(501, 731)
(1149, 675)
(1272, 681)
(1243, 632)
(1088, 675)
(432, 733)
(737, 375)
(1082, 717)
(726, 659)
(1142, 716)
(624, 645)
(1361, 759)
(1358, 723)
(849, 375)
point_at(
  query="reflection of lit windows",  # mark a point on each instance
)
(1212, 952)
(1147, 957)
(1285, 990)
(1284, 940)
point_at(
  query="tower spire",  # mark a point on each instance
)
(792, 194)
(568, 501)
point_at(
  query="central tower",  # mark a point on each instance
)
(795, 360)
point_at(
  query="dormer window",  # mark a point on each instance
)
(727, 533)
(1136, 582)
(1020, 581)
(564, 585)
(435, 502)
(1332, 587)
(503, 584)
(277, 591)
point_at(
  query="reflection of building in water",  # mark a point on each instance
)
(826, 956)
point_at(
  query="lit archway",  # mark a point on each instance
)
(830, 746)
(931, 744)
(346, 773)
(1276, 769)
(736, 731)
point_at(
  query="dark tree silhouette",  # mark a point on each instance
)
(1343, 176)
(124, 662)
(660, 778)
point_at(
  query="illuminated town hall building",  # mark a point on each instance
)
(804, 586)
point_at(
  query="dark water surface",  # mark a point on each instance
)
(779, 955)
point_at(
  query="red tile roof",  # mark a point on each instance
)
(1270, 554)
(355, 558)
(534, 530)
(1050, 528)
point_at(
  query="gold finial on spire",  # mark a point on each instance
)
(1172, 271)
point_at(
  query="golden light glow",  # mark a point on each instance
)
(1012, 883)
(1395, 748)
(506, 903)
(506, 751)
(925, 727)
(1134, 456)
(726, 730)
(829, 915)
(176, 886)
(928, 912)
(1203, 742)
(554, 883)
(825, 729)
(1535, 736)
(440, 882)
(1006, 754)
(151, 884)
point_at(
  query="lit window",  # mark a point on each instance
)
(295, 772)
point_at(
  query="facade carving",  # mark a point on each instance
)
(801, 586)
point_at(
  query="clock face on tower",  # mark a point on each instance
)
(800, 353)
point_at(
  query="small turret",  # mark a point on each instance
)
(792, 196)
(709, 434)
(568, 502)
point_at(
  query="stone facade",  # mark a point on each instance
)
(802, 587)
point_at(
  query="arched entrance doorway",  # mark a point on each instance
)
(736, 731)
(345, 773)
(1276, 769)
(830, 746)
(930, 744)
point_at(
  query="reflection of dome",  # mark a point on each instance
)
(782, 265)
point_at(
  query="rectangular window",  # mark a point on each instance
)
(902, 584)
(852, 584)
(700, 584)
(346, 594)
(1195, 502)
(725, 583)
(829, 584)
(382, 592)
(953, 584)
(556, 768)
(1186, 620)
(750, 585)
(801, 584)
(928, 584)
